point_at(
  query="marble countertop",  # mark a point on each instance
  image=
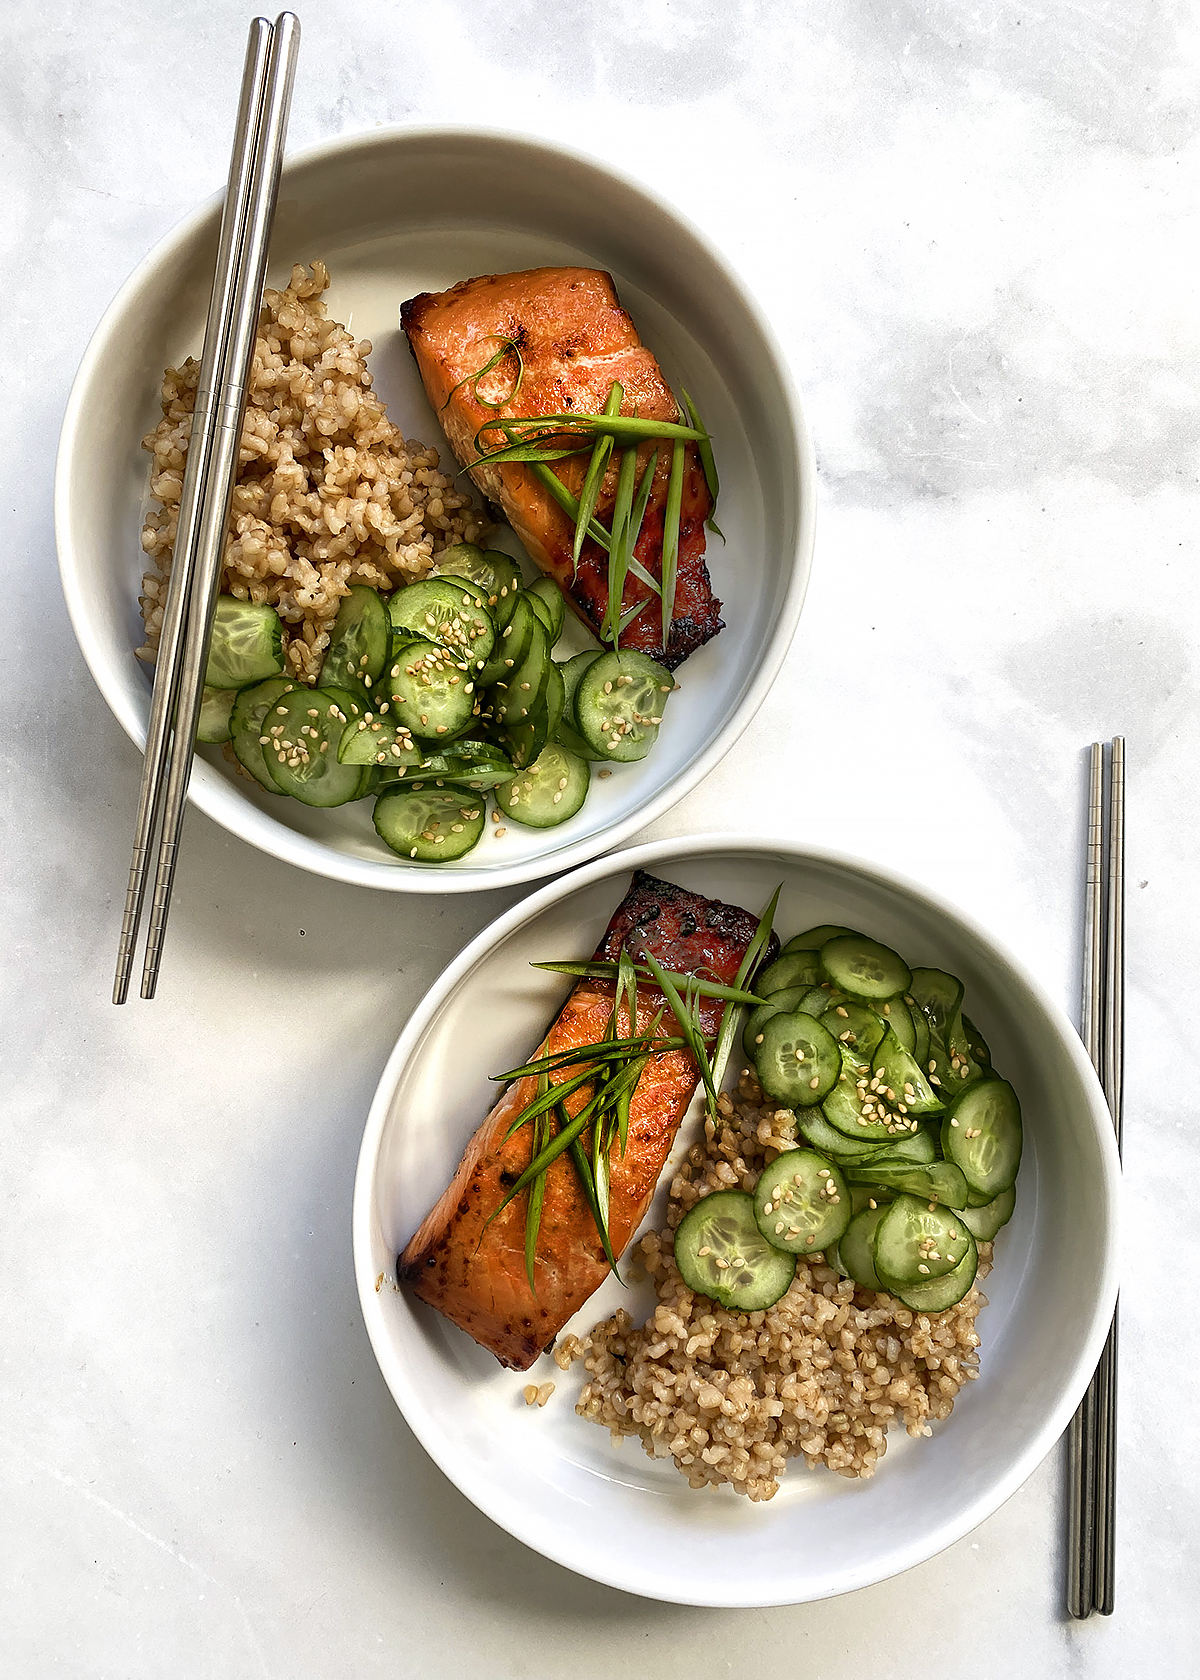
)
(975, 228)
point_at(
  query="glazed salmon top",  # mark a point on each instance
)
(574, 340)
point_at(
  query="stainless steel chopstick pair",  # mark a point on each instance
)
(212, 458)
(1091, 1551)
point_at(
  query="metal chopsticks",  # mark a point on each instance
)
(246, 221)
(1091, 1551)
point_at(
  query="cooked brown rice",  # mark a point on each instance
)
(328, 492)
(730, 1397)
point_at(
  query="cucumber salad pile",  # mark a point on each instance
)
(429, 699)
(912, 1140)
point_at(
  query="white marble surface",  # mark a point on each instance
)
(975, 227)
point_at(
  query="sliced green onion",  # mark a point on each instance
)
(594, 478)
(606, 970)
(687, 1021)
(618, 557)
(506, 344)
(708, 462)
(745, 973)
(670, 546)
(617, 426)
(537, 1194)
(584, 1168)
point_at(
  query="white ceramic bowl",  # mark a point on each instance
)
(399, 211)
(555, 1481)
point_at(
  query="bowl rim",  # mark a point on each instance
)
(511, 1516)
(274, 837)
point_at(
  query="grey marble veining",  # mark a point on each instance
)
(974, 226)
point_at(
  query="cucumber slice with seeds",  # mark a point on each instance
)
(914, 1244)
(378, 740)
(619, 704)
(511, 644)
(901, 1080)
(246, 645)
(548, 597)
(982, 1136)
(518, 694)
(359, 643)
(941, 1293)
(864, 968)
(855, 1111)
(494, 574)
(778, 1005)
(448, 610)
(248, 726)
(430, 690)
(549, 792)
(430, 825)
(721, 1253)
(984, 1222)
(859, 1028)
(798, 1061)
(304, 730)
(801, 1202)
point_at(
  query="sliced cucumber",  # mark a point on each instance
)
(864, 968)
(565, 731)
(494, 574)
(548, 596)
(304, 730)
(856, 1247)
(870, 1196)
(619, 704)
(941, 1293)
(372, 739)
(847, 1151)
(984, 1222)
(901, 1080)
(249, 724)
(721, 1253)
(914, 1244)
(856, 1112)
(982, 1136)
(801, 1202)
(549, 792)
(448, 610)
(518, 694)
(798, 1062)
(896, 1013)
(801, 969)
(430, 825)
(976, 1044)
(938, 994)
(917, 1148)
(359, 643)
(431, 691)
(859, 1028)
(816, 937)
(817, 999)
(940, 1181)
(777, 1005)
(511, 644)
(246, 646)
(216, 713)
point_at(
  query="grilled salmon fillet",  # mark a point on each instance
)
(575, 340)
(473, 1271)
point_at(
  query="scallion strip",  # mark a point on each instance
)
(616, 426)
(745, 973)
(584, 1168)
(594, 478)
(708, 462)
(606, 970)
(537, 1195)
(621, 548)
(688, 1025)
(670, 545)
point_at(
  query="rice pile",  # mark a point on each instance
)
(328, 492)
(732, 1396)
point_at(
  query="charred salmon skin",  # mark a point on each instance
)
(575, 340)
(470, 1266)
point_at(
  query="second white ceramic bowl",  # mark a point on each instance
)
(392, 213)
(554, 1480)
